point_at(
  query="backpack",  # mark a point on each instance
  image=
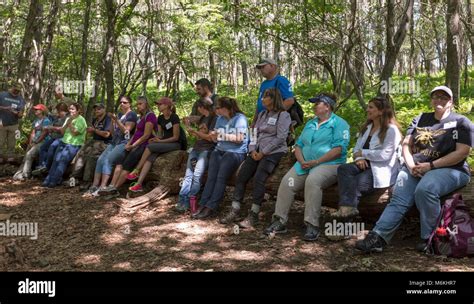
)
(183, 141)
(296, 111)
(454, 233)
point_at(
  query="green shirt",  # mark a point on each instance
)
(80, 125)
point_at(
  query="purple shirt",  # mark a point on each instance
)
(140, 128)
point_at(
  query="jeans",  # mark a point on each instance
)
(64, 155)
(47, 151)
(353, 183)
(193, 177)
(222, 165)
(109, 158)
(260, 171)
(425, 192)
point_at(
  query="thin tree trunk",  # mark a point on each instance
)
(453, 40)
(85, 39)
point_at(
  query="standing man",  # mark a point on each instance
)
(270, 71)
(12, 106)
(203, 88)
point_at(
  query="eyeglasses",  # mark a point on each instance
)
(440, 97)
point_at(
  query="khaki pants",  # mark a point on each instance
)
(25, 169)
(313, 183)
(8, 140)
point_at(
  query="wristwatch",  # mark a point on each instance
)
(432, 165)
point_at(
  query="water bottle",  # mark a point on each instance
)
(193, 204)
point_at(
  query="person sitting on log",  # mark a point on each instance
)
(267, 147)
(435, 150)
(38, 135)
(198, 159)
(376, 159)
(169, 139)
(123, 125)
(231, 135)
(86, 159)
(51, 143)
(320, 149)
(146, 126)
(74, 137)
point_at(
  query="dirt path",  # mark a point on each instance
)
(77, 234)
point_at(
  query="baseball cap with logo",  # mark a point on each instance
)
(323, 98)
(41, 107)
(264, 62)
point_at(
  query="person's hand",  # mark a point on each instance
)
(420, 169)
(154, 140)
(213, 136)
(112, 116)
(362, 164)
(187, 122)
(90, 129)
(128, 147)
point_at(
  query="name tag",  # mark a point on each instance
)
(14, 106)
(169, 126)
(272, 121)
(449, 125)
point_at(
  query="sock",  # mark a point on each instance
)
(235, 205)
(255, 208)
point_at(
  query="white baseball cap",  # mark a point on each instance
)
(444, 89)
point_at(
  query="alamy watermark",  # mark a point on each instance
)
(394, 87)
(69, 86)
(9, 229)
(343, 229)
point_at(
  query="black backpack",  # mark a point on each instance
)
(296, 111)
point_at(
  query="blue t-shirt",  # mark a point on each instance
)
(119, 137)
(237, 124)
(316, 141)
(17, 103)
(38, 126)
(281, 83)
(102, 125)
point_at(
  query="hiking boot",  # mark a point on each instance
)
(312, 233)
(276, 227)
(372, 243)
(181, 208)
(250, 221)
(345, 212)
(230, 217)
(422, 246)
(39, 171)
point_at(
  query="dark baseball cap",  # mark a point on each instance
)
(99, 105)
(323, 98)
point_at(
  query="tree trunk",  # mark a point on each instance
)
(32, 21)
(110, 43)
(394, 39)
(85, 39)
(44, 52)
(453, 41)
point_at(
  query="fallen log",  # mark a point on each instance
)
(170, 168)
(134, 204)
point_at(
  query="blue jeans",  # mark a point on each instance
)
(193, 177)
(64, 155)
(47, 151)
(425, 192)
(109, 158)
(222, 165)
(353, 183)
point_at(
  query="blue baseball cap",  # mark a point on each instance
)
(323, 98)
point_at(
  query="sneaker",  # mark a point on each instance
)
(372, 243)
(107, 190)
(230, 217)
(276, 227)
(133, 175)
(39, 171)
(422, 246)
(312, 233)
(250, 221)
(181, 208)
(90, 191)
(345, 212)
(136, 188)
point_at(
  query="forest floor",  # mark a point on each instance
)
(77, 234)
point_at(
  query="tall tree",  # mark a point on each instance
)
(453, 41)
